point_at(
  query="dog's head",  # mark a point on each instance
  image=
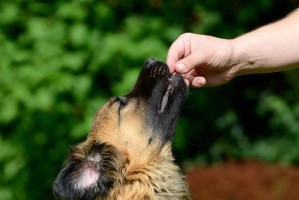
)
(127, 131)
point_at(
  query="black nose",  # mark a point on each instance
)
(149, 62)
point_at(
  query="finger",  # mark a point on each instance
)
(174, 54)
(176, 51)
(188, 63)
(198, 82)
(189, 78)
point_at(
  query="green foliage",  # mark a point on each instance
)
(61, 60)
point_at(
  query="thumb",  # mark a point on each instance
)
(188, 63)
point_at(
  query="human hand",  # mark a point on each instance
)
(202, 60)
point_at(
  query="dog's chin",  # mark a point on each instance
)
(170, 106)
(168, 95)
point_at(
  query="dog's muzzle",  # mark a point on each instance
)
(163, 95)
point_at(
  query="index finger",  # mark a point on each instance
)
(175, 53)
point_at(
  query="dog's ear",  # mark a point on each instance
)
(90, 172)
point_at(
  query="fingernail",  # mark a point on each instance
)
(200, 81)
(181, 68)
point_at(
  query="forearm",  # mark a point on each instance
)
(271, 48)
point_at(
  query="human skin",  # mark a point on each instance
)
(209, 61)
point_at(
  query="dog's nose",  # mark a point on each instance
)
(149, 62)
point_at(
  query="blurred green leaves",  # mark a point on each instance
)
(61, 60)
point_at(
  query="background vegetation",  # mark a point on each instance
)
(60, 60)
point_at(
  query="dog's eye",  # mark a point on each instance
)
(122, 101)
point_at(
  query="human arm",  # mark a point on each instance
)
(205, 60)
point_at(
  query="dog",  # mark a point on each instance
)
(127, 154)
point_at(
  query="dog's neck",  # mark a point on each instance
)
(160, 179)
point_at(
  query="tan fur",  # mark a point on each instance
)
(127, 155)
(150, 172)
(141, 170)
(159, 179)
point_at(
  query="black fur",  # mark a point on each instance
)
(150, 87)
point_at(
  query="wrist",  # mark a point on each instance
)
(242, 62)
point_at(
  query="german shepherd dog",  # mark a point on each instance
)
(127, 155)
